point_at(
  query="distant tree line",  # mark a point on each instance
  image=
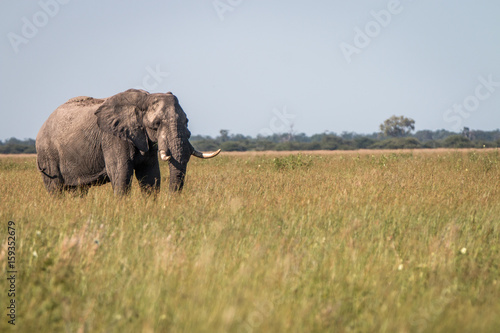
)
(349, 141)
(326, 141)
(15, 146)
(395, 133)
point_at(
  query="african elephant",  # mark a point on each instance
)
(88, 141)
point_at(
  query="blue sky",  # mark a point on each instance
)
(258, 67)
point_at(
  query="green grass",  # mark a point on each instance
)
(262, 243)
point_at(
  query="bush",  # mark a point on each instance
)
(457, 141)
(484, 144)
(292, 162)
(363, 142)
(397, 143)
(331, 142)
(206, 145)
(311, 146)
(233, 146)
(432, 144)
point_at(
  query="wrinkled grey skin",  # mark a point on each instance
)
(89, 141)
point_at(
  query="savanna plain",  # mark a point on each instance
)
(388, 241)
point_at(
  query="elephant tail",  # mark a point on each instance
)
(43, 170)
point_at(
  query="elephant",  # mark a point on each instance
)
(89, 141)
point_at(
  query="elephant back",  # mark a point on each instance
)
(84, 101)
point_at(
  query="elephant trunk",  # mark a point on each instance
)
(177, 176)
(180, 153)
(175, 148)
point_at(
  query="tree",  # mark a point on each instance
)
(457, 141)
(224, 135)
(397, 126)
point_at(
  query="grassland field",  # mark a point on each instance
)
(361, 241)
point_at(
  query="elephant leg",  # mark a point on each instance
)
(84, 190)
(148, 175)
(120, 175)
(53, 185)
(80, 190)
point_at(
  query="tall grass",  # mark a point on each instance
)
(394, 242)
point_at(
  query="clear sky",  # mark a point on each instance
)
(256, 66)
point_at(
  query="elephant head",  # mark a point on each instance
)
(142, 118)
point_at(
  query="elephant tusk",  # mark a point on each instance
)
(163, 156)
(205, 155)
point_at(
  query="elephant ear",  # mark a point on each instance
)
(119, 115)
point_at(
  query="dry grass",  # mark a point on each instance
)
(350, 241)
